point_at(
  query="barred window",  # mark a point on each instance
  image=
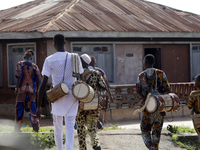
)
(103, 54)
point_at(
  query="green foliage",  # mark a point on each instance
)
(30, 129)
(9, 128)
(189, 144)
(44, 140)
(183, 142)
(27, 129)
(30, 140)
(33, 141)
(175, 137)
(181, 129)
(114, 127)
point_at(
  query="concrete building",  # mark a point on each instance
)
(119, 33)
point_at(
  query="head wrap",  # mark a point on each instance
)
(86, 58)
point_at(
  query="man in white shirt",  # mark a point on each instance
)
(67, 105)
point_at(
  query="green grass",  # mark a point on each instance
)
(114, 127)
(34, 140)
(11, 128)
(184, 142)
(30, 129)
(181, 129)
(189, 144)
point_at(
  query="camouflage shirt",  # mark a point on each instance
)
(155, 86)
(96, 81)
(194, 101)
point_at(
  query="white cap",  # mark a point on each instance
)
(86, 58)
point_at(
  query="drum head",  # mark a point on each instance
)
(152, 105)
(65, 88)
(81, 90)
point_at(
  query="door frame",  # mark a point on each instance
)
(154, 46)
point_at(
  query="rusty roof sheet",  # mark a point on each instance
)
(97, 15)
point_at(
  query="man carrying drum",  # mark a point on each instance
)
(28, 79)
(194, 102)
(67, 105)
(93, 66)
(95, 80)
(152, 81)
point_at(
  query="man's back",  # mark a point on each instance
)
(95, 80)
(56, 64)
(146, 84)
(29, 75)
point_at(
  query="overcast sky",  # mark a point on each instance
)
(185, 5)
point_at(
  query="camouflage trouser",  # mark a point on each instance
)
(197, 130)
(152, 122)
(90, 116)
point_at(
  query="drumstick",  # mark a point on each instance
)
(143, 107)
(42, 116)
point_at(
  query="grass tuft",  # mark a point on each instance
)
(184, 142)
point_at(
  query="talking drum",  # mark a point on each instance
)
(99, 102)
(82, 91)
(166, 102)
(57, 92)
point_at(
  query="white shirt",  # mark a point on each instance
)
(54, 65)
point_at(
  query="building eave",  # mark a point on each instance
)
(89, 34)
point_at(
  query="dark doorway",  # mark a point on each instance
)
(157, 54)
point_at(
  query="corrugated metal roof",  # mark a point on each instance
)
(97, 15)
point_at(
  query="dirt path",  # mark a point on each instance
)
(126, 140)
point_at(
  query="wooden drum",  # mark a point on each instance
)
(82, 91)
(57, 92)
(92, 105)
(99, 102)
(166, 102)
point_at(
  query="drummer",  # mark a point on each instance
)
(65, 107)
(153, 81)
(194, 101)
(93, 66)
(95, 80)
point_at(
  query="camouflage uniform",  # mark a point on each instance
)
(95, 80)
(194, 102)
(151, 121)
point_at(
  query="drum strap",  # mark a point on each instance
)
(65, 67)
(148, 96)
(87, 73)
(143, 107)
(75, 62)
